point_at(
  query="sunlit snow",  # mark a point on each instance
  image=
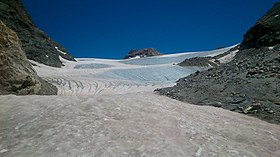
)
(60, 50)
(108, 108)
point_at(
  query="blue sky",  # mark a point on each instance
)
(110, 28)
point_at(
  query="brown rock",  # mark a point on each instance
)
(37, 45)
(17, 75)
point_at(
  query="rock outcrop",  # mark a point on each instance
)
(248, 84)
(200, 62)
(17, 75)
(266, 31)
(35, 43)
(210, 61)
(147, 52)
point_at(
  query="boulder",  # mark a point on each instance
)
(17, 75)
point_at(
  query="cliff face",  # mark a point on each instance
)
(266, 31)
(17, 75)
(35, 43)
(147, 52)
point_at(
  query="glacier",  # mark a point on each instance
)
(108, 108)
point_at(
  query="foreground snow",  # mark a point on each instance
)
(141, 124)
(111, 111)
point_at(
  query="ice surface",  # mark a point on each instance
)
(151, 74)
(92, 76)
(171, 59)
(92, 66)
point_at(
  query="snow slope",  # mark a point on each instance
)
(107, 108)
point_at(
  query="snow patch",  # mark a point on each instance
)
(67, 64)
(57, 49)
(134, 57)
(228, 58)
(271, 48)
(213, 61)
(276, 15)
(47, 56)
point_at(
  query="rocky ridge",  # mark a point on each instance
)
(35, 43)
(17, 75)
(211, 61)
(248, 84)
(147, 52)
(266, 31)
(200, 62)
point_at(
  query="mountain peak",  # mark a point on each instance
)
(146, 52)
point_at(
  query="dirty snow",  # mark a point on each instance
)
(112, 111)
(228, 58)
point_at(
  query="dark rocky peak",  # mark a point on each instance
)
(266, 31)
(35, 43)
(146, 52)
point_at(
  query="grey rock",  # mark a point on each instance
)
(206, 61)
(266, 31)
(147, 52)
(35, 43)
(200, 61)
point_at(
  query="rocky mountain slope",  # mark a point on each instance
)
(266, 31)
(17, 75)
(211, 61)
(35, 43)
(248, 84)
(147, 52)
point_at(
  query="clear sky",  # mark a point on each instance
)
(110, 28)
